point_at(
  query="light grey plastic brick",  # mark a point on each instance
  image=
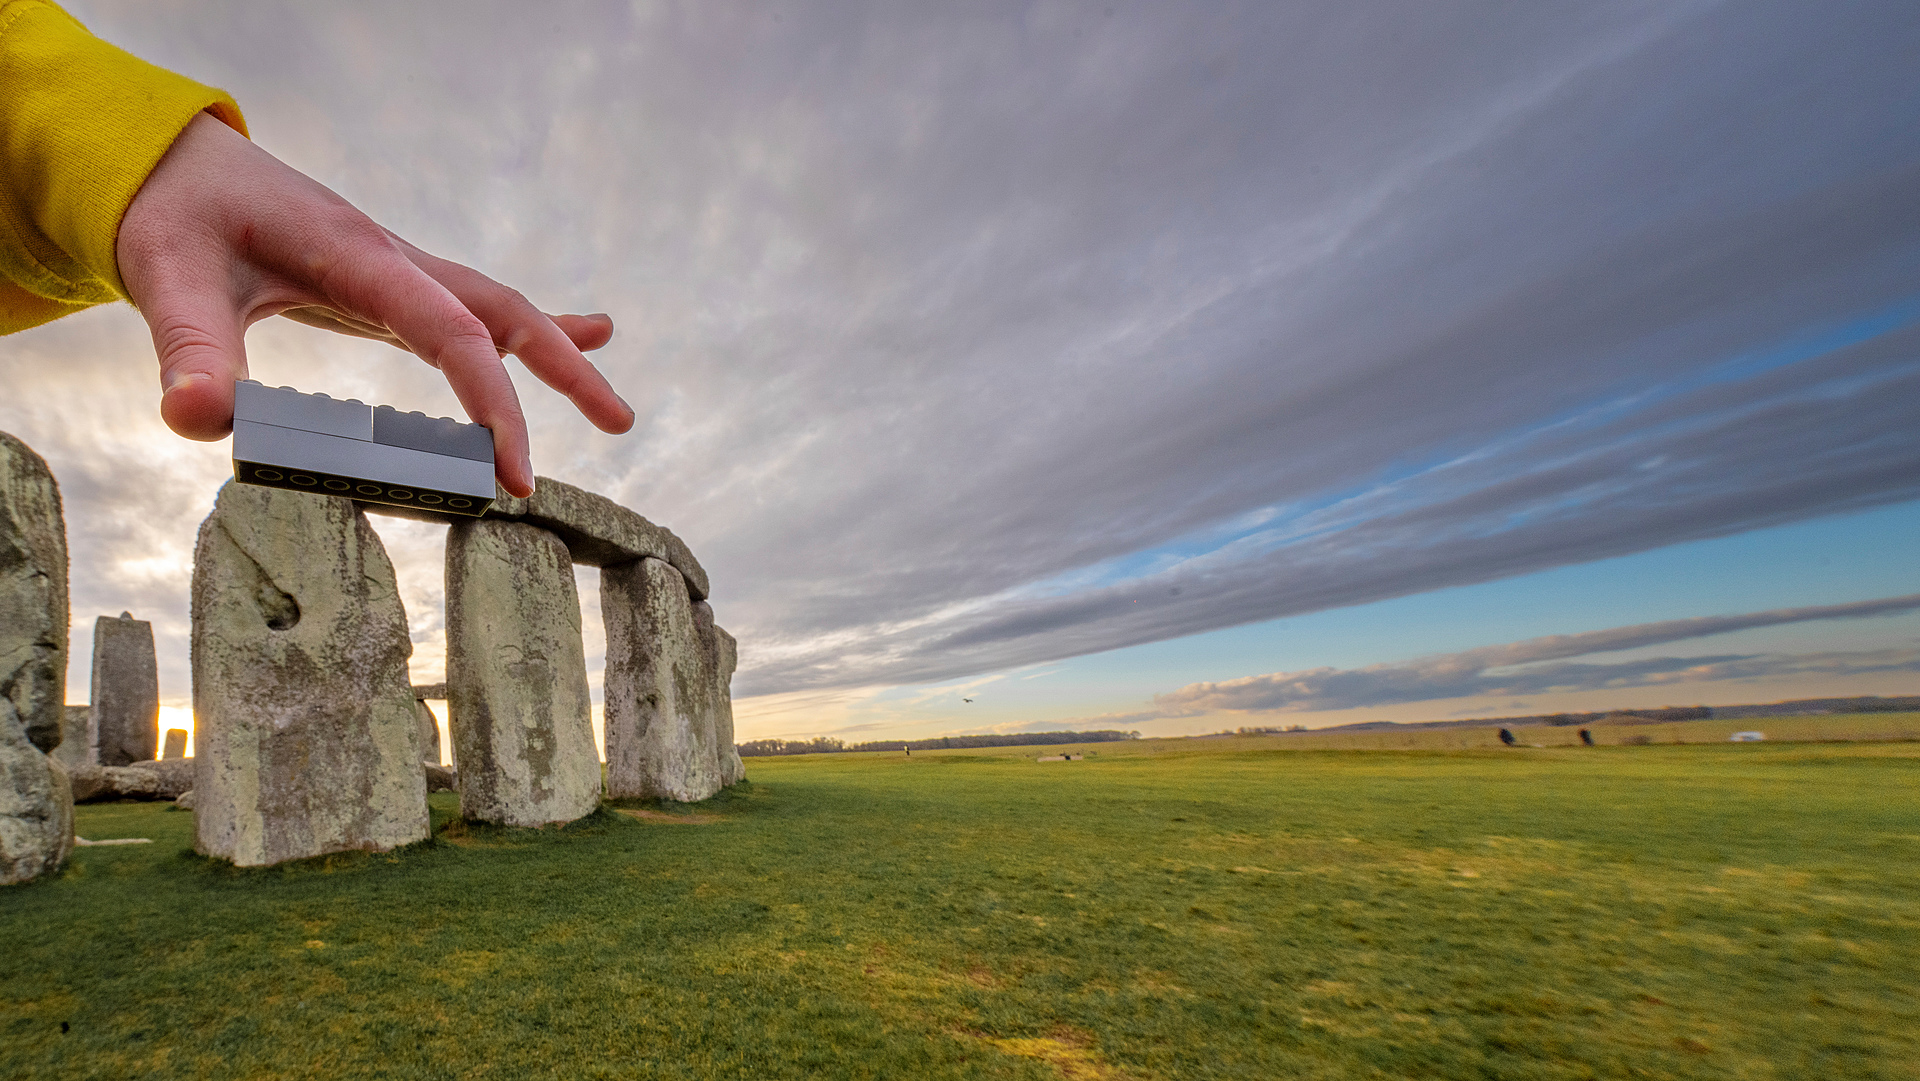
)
(284, 407)
(435, 435)
(293, 449)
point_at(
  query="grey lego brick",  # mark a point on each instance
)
(420, 503)
(399, 467)
(284, 407)
(435, 435)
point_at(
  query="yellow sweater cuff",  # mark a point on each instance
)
(82, 124)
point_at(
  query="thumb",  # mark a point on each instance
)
(201, 343)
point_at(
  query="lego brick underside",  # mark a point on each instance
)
(407, 502)
(284, 408)
(288, 448)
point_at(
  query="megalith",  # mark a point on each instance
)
(36, 805)
(429, 724)
(429, 732)
(175, 746)
(599, 532)
(518, 710)
(76, 744)
(306, 740)
(669, 714)
(33, 594)
(726, 658)
(126, 691)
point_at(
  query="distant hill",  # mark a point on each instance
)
(828, 745)
(1868, 704)
(1663, 715)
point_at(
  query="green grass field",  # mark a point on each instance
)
(1197, 909)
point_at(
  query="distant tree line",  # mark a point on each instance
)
(816, 745)
(1860, 704)
(827, 745)
(1632, 716)
(1617, 716)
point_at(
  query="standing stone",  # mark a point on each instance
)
(599, 532)
(126, 691)
(33, 594)
(307, 740)
(76, 742)
(726, 658)
(176, 745)
(429, 732)
(429, 724)
(517, 703)
(669, 713)
(36, 805)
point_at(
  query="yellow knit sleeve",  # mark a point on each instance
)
(81, 125)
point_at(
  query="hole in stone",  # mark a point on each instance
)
(302, 478)
(269, 474)
(368, 489)
(282, 612)
(399, 493)
(429, 497)
(460, 503)
(337, 485)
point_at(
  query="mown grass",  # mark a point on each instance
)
(1748, 911)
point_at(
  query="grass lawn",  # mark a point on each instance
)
(1196, 910)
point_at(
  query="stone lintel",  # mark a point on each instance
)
(597, 531)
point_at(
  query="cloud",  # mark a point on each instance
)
(1518, 668)
(966, 338)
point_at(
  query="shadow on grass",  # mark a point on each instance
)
(470, 834)
(725, 804)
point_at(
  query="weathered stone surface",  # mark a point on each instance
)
(669, 714)
(76, 742)
(33, 594)
(600, 532)
(126, 691)
(429, 732)
(597, 531)
(307, 740)
(175, 745)
(36, 805)
(726, 658)
(89, 782)
(176, 774)
(434, 691)
(441, 778)
(141, 781)
(184, 800)
(518, 708)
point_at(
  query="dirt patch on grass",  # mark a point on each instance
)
(693, 819)
(1070, 1052)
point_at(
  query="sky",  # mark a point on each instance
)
(1166, 367)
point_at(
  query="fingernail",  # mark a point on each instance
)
(186, 379)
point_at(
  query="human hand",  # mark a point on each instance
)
(223, 235)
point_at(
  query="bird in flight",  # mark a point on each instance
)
(966, 700)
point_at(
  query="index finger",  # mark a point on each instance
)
(387, 288)
(548, 350)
